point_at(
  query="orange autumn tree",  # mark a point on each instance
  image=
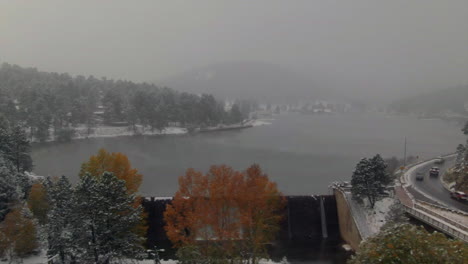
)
(261, 206)
(236, 212)
(38, 202)
(18, 236)
(115, 162)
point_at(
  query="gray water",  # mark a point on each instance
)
(302, 153)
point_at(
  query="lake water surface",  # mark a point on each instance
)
(302, 153)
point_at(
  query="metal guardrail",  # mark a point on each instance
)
(437, 224)
(432, 218)
(443, 208)
(458, 225)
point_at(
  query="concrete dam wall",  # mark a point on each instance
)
(305, 218)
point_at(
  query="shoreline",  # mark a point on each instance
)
(125, 131)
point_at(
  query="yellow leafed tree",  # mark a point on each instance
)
(38, 203)
(114, 162)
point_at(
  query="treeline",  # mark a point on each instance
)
(434, 104)
(52, 103)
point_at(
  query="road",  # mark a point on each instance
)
(431, 189)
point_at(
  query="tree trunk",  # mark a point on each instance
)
(62, 256)
(96, 255)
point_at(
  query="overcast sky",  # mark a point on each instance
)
(382, 46)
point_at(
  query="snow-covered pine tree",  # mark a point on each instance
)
(381, 176)
(466, 153)
(465, 129)
(460, 156)
(106, 219)
(61, 219)
(5, 141)
(359, 180)
(370, 179)
(8, 187)
(20, 150)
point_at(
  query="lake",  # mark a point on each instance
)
(302, 153)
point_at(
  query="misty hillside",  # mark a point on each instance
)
(246, 80)
(442, 102)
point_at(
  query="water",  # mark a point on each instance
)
(302, 153)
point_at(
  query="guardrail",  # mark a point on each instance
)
(430, 217)
(443, 208)
(437, 224)
(462, 227)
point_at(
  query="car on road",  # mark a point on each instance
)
(461, 196)
(434, 171)
(439, 161)
(419, 176)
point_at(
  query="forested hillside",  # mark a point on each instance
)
(246, 79)
(55, 104)
(451, 101)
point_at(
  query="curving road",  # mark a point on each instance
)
(431, 189)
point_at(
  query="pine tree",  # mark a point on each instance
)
(20, 150)
(24, 184)
(466, 153)
(381, 175)
(61, 220)
(460, 156)
(15, 147)
(8, 187)
(107, 218)
(465, 129)
(370, 179)
(5, 141)
(359, 180)
(235, 114)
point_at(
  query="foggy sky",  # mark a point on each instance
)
(369, 48)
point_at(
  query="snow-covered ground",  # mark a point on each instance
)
(32, 176)
(369, 221)
(376, 217)
(261, 122)
(118, 131)
(112, 131)
(42, 259)
(39, 259)
(263, 261)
